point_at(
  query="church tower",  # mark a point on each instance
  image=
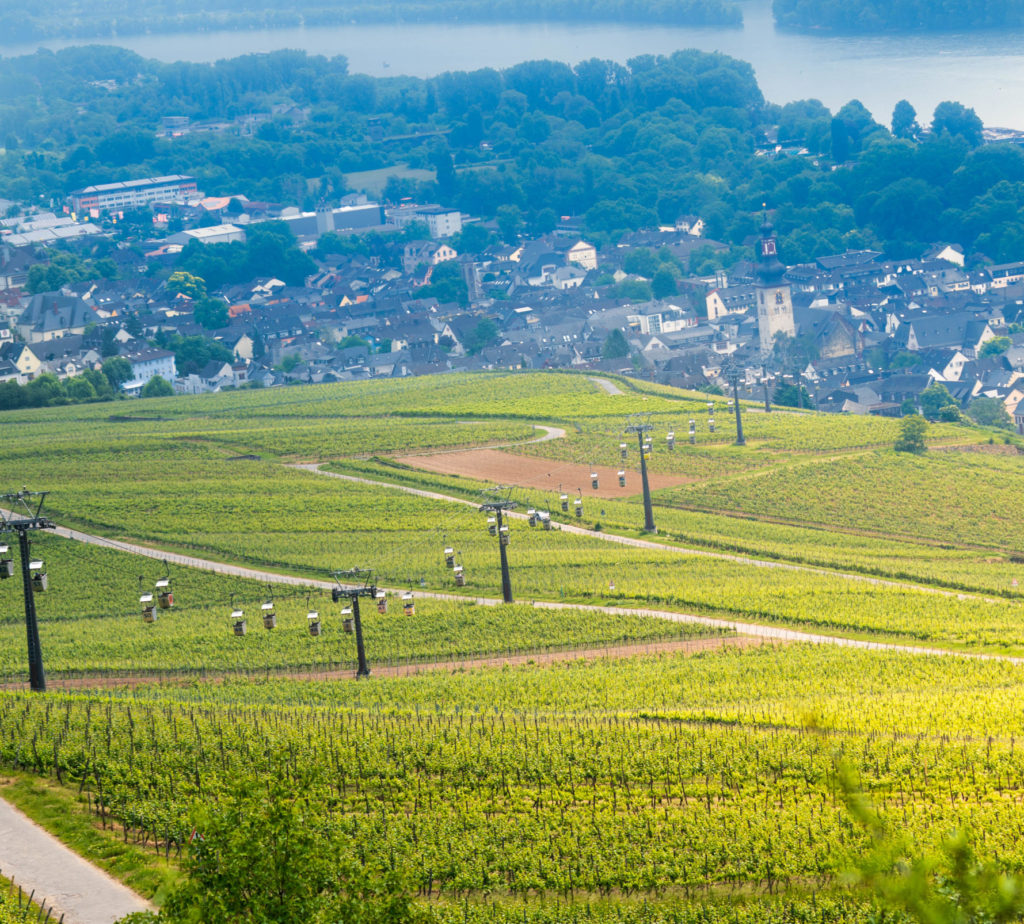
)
(774, 298)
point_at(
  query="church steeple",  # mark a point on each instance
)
(774, 298)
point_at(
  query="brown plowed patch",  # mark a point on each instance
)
(534, 472)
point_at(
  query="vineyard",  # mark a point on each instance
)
(651, 788)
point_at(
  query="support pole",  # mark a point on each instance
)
(767, 402)
(37, 679)
(364, 669)
(649, 526)
(736, 404)
(506, 579)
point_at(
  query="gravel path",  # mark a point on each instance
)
(609, 387)
(653, 545)
(75, 888)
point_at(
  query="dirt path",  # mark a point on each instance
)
(661, 546)
(79, 892)
(610, 388)
(449, 665)
(756, 630)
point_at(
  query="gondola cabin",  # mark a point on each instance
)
(564, 499)
(578, 504)
(593, 480)
(164, 599)
(623, 451)
(148, 609)
(460, 576)
(40, 580)
(382, 602)
(622, 479)
(711, 424)
(313, 623)
(670, 439)
(492, 526)
(238, 623)
(269, 616)
(503, 535)
(6, 563)
(408, 605)
(711, 408)
(449, 558)
(348, 623)
(545, 520)
(531, 517)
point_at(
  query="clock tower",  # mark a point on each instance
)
(774, 298)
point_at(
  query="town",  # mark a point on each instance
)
(405, 289)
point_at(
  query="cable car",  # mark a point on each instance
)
(40, 580)
(503, 535)
(313, 622)
(460, 576)
(622, 479)
(238, 622)
(623, 451)
(148, 609)
(408, 605)
(711, 408)
(545, 519)
(578, 504)
(6, 563)
(492, 526)
(449, 558)
(531, 517)
(728, 404)
(348, 623)
(269, 616)
(382, 602)
(711, 424)
(565, 503)
(164, 599)
(671, 439)
(593, 480)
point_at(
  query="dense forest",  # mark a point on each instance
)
(624, 147)
(853, 16)
(21, 23)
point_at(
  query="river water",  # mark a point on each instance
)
(984, 70)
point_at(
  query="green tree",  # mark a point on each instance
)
(80, 388)
(957, 119)
(181, 282)
(211, 313)
(663, 285)
(157, 387)
(913, 428)
(510, 223)
(995, 347)
(482, 336)
(44, 390)
(990, 412)
(933, 399)
(904, 121)
(615, 345)
(118, 370)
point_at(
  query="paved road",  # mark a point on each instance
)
(75, 888)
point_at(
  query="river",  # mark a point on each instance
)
(984, 70)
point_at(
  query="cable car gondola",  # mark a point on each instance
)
(348, 623)
(6, 563)
(148, 607)
(40, 580)
(382, 602)
(269, 616)
(408, 605)
(460, 576)
(238, 623)
(449, 557)
(622, 479)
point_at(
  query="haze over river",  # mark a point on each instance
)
(984, 70)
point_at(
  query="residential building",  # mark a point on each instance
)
(132, 194)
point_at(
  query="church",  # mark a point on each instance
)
(774, 298)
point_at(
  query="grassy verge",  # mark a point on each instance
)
(59, 810)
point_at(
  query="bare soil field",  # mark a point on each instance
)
(532, 472)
